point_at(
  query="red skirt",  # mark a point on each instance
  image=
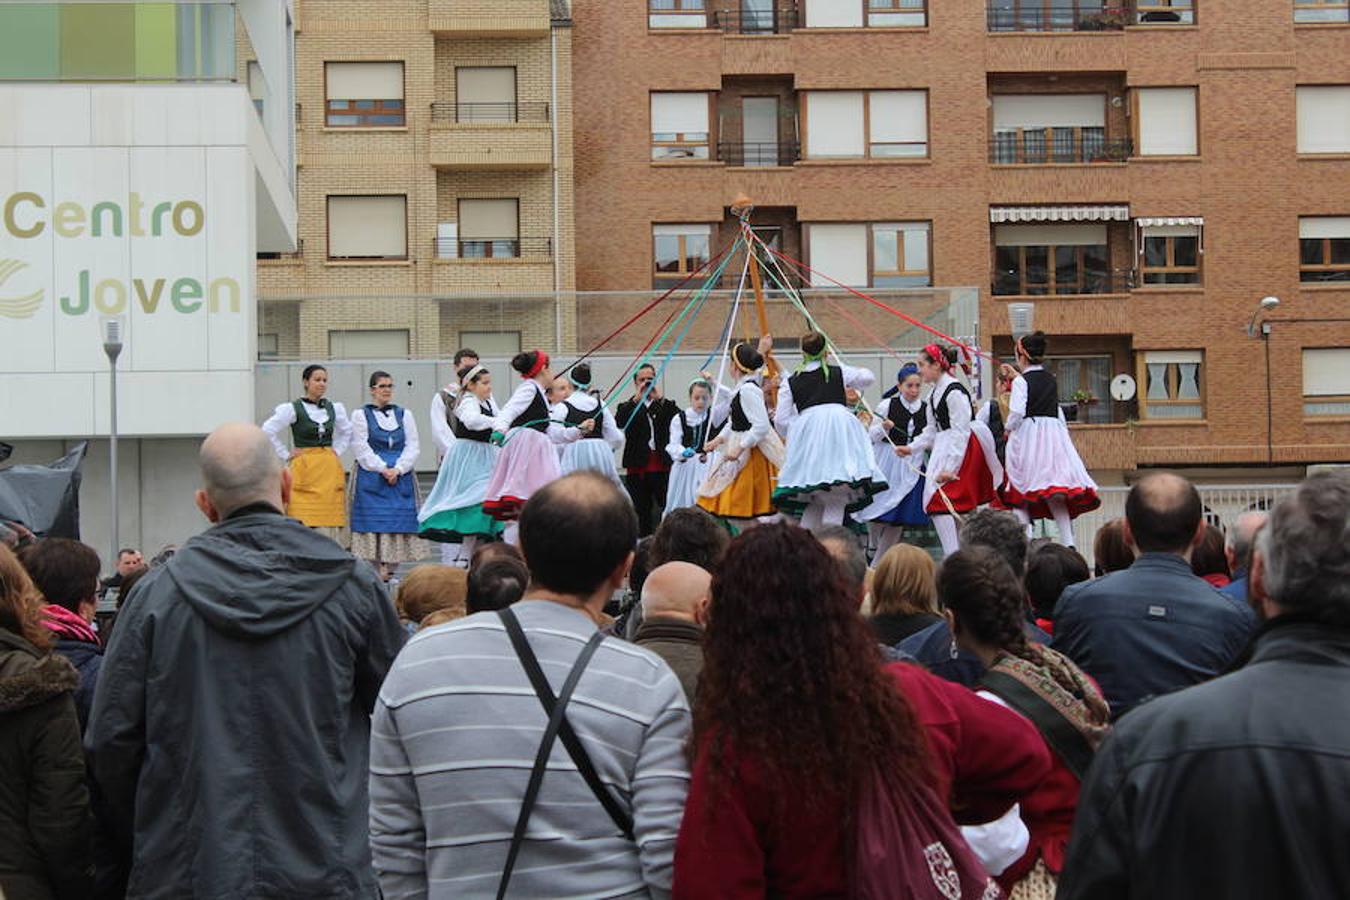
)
(973, 487)
(1079, 500)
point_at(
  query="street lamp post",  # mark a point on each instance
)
(1266, 305)
(112, 346)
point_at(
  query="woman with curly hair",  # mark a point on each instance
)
(987, 606)
(817, 771)
(44, 805)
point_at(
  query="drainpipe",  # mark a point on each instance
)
(557, 215)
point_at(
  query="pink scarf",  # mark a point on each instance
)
(64, 623)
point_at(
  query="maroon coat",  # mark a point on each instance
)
(739, 843)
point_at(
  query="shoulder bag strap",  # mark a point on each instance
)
(556, 720)
(622, 819)
(1066, 740)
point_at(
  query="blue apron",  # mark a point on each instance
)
(379, 507)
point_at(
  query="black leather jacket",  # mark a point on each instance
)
(1236, 788)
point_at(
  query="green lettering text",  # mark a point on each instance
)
(186, 289)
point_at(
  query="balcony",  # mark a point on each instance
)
(494, 248)
(759, 155)
(753, 17)
(1057, 16)
(1057, 146)
(497, 18)
(491, 136)
(1064, 282)
(509, 265)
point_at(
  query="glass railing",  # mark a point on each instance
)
(97, 41)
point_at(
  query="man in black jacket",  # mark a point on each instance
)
(645, 419)
(230, 734)
(1265, 749)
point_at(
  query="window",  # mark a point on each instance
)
(485, 94)
(1326, 382)
(680, 125)
(1077, 374)
(269, 346)
(257, 86)
(678, 250)
(1166, 121)
(1314, 11)
(1056, 15)
(1324, 119)
(866, 13)
(364, 94)
(834, 13)
(368, 344)
(1173, 385)
(1041, 260)
(838, 252)
(1324, 249)
(489, 229)
(900, 255)
(1170, 254)
(897, 13)
(677, 14)
(368, 227)
(1049, 128)
(1164, 12)
(857, 124)
(503, 344)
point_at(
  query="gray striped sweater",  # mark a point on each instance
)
(454, 738)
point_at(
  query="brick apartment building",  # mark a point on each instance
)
(1143, 172)
(435, 182)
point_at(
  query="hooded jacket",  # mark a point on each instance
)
(44, 807)
(230, 731)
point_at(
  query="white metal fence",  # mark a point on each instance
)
(1223, 503)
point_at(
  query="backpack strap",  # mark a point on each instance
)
(1066, 740)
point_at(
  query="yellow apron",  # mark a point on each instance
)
(318, 489)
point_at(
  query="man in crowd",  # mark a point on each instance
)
(1268, 745)
(443, 404)
(1240, 540)
(66, 574)
(230, 732)
(1154, 627)
(645, 419)
(128, 561)
(458, 728)
(675, 600)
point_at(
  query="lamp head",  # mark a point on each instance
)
(1268, 303)
(112, 328)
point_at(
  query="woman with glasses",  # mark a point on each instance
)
(384, 488)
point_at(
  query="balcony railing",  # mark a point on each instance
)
(759, 155)
(297, 254)
(1162, 12)
(494, 248)
(756, 18)
(1050, 284)
(490, 113)
(1057, 15)
(1045, 146)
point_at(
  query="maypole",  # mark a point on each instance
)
(741, 208)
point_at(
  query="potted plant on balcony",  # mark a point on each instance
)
(1083, 400)
(1111, 18)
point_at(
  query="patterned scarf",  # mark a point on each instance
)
(66, 624)
(1072, 705)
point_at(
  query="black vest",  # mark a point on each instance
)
(901, 417)
(1042, 395)
(814, 389)
(464, 434)
(575, 417)
(536, 414)
(941, 414)
(739, 420)
(696, 436)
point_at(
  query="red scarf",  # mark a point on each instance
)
(66, 624)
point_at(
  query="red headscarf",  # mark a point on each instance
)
(540, 364)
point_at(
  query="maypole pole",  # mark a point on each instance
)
(741, 208)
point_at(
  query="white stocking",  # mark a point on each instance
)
(1025, 518)
(1060, 510)
(449, 554)
(890, 536)
(945, 524)
(512, 534)
(834, 506)
(813, 515)
(466, 548)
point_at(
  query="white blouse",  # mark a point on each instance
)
(786, 413)
(675, 446)
(959, 415)
(519, 402)
(364, 453)
(441, 432)
(283, 417)
(469, 411)
(566, 434)
(752, 404)
(879, 433)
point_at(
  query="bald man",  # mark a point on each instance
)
(674, 609)
(1238, 548)
(230, 735)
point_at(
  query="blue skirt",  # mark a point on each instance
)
(379, 507)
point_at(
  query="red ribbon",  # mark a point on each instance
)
(540, 364)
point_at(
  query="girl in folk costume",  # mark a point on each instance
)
(528, 460)
(830, 467)
(320, 433)
(986, 607)
(740, 481)
(585, 429)
(384, 488)
(963, 467)
(690, 432)
(897, 423)
(453, 513)
(1046, 477)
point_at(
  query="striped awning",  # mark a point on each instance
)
(1163, 221)
(1001, 214)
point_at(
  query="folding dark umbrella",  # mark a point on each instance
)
(45, 499)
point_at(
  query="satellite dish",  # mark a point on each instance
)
(1122, 387)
